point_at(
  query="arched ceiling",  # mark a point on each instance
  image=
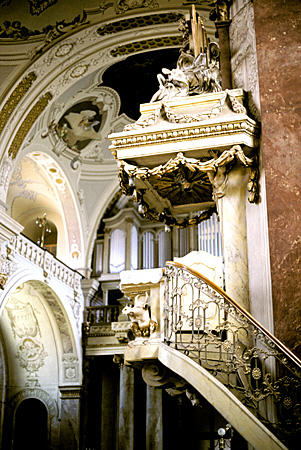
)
(39, 186)
(39, 347)
(29, 18)
(81, 52)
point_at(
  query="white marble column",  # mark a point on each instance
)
(108, 399)
(154, 422)
(232, 211)
(106, 251)
(193, 237)
(128, 251)
(126, 409)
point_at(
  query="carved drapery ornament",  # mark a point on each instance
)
(185, 180)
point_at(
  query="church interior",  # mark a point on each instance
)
(149, 224)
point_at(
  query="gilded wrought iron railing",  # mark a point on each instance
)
(204, 323)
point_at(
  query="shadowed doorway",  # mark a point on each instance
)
(31, 430)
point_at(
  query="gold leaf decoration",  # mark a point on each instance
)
(15, 97)
(29, 120)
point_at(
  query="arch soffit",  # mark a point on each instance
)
(65, 330)
(100, 209)
(68, 204)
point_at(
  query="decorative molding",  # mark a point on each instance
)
(122, 6)
(138, 22)
(26, 331)
(38, 6)
(164, 111)
(147, 44)
(29, 120)
(16, 31)
(71, 368)
(40, 394)
(70, 392)
(216, 129)
(15, 98)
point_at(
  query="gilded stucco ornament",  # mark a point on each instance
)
(123, 6)
(15, 98)
(183, 181)
(164, 112)
(27, 123)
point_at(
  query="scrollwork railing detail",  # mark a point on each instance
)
(204, 323)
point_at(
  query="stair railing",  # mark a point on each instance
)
(204, 323)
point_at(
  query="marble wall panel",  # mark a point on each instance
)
(245, 75)
(278, 37)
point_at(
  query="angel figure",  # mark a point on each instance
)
(81, 127)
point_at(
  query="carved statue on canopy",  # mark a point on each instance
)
(197, 68)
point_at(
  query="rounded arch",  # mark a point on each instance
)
(100, 208)
(39, 326)
(39, 184)
(48, 402)
(37, 393)
(31, 425)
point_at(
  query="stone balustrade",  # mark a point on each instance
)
(51, 266)
(103, 315)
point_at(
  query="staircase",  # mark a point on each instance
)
(216, 346)
(228, 348)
